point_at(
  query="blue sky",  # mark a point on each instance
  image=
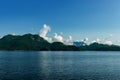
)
(79, 18)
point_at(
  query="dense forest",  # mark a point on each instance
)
(30, 42)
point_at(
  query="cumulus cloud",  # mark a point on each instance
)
(68, 41)
(108, 42)
(97, 40)
(44, 31)
(58, 38)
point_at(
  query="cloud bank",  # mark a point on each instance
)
(56, 38)
(68, 41)
(102, 41)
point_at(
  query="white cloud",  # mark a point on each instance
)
(68, 41)
(97, 40)
(93, 41)
(58, 38)
(13, 34)
(108, 42)
(44, 31)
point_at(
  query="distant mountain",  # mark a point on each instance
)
(30, 42)
(100, 47)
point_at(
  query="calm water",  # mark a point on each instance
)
(59, 65)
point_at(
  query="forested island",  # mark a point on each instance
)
(30, 42)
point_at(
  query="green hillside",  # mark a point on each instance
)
(30, 42)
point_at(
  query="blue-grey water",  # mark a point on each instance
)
(21, 65)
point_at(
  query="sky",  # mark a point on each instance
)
(93, 19)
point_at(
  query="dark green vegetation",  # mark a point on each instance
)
(34, 42)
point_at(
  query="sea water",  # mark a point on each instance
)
(59, 65)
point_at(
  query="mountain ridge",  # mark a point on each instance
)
(29, 42)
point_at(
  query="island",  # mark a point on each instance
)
(30, 42)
